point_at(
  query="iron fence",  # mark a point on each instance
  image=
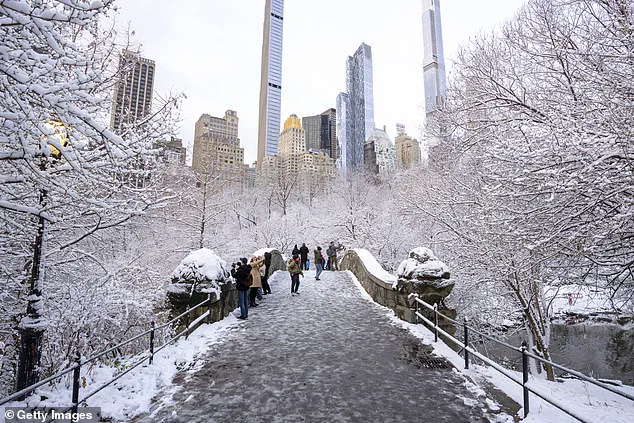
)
(147, 355)
(525, 354)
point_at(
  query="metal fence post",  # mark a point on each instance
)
(187, 322)
(209, 308)
(435, 322)
(152, 343)
(466, 344)
(76, 375)
(525, 378)
(417, 310)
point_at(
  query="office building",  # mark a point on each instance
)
(433, 57)
(321, 132)
(379, 155)
(133, 90)
(217, 148)
(294, 163)
(173, 151)
(355, 109)
(407, 151)
(271, 80)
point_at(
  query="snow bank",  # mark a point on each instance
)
(421, 263)
(201, 265)
(373, 266)
(581, 299)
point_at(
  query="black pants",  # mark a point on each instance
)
(265, 285)
(294, 283)
(253, 292)
(303, 264)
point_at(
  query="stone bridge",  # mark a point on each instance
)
(329, 354)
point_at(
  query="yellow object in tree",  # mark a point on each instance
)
(60, 132)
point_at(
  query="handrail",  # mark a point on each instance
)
(496, 366)
(470, 328)
(151, 351)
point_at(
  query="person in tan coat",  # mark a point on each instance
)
(256, 263)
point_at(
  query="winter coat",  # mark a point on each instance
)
(318, 256)
(303, 251)
(295, 250)
(255, 272)
(332, 249)
(241, 275)
(293, 268)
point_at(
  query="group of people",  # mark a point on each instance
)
(300, 262)
(252, 281)
(252, 276)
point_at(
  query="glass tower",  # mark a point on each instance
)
(271, 79)
(355, 109)
(433, 57)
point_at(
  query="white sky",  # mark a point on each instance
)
(211, 51)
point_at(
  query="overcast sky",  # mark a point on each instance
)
(211, 51)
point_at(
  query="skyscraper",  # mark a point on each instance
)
(133, 91)
(321, 133)
(433, 57)
(271, 79)
(355, 109)
(407, 151)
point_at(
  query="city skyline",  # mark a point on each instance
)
(174, 35)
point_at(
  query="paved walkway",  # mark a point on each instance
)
(326, 355)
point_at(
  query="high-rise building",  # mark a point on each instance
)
(133, 91)
(217, 148)
(321, 132)
(407, 151)
(173, 150)
(379, 155)
(271, 79)
(355, 109)
(309, 169)
(433, 57)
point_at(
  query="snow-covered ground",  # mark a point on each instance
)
(583, 299)
(587, 400)
(133, 393)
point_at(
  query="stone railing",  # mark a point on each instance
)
(223, 292)
(387, 290)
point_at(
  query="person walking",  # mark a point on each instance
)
(303, 254)
(256, 263)
(294, 270)
(241, 272)
(266, 287)
(319, 260)
(295, 250)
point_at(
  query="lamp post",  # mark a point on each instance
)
(32, 326)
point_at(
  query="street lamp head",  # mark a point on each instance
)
(60, 133)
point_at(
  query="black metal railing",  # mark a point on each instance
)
(148, 355)
(467, 349)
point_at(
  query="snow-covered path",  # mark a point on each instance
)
(326, 355)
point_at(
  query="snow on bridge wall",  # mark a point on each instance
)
(389, 291)
(377, 282)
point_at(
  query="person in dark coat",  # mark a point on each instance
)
(319, 263)
(303, 254)
(294, 270)
(267, 272)
(295, 250)
(242, 274)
